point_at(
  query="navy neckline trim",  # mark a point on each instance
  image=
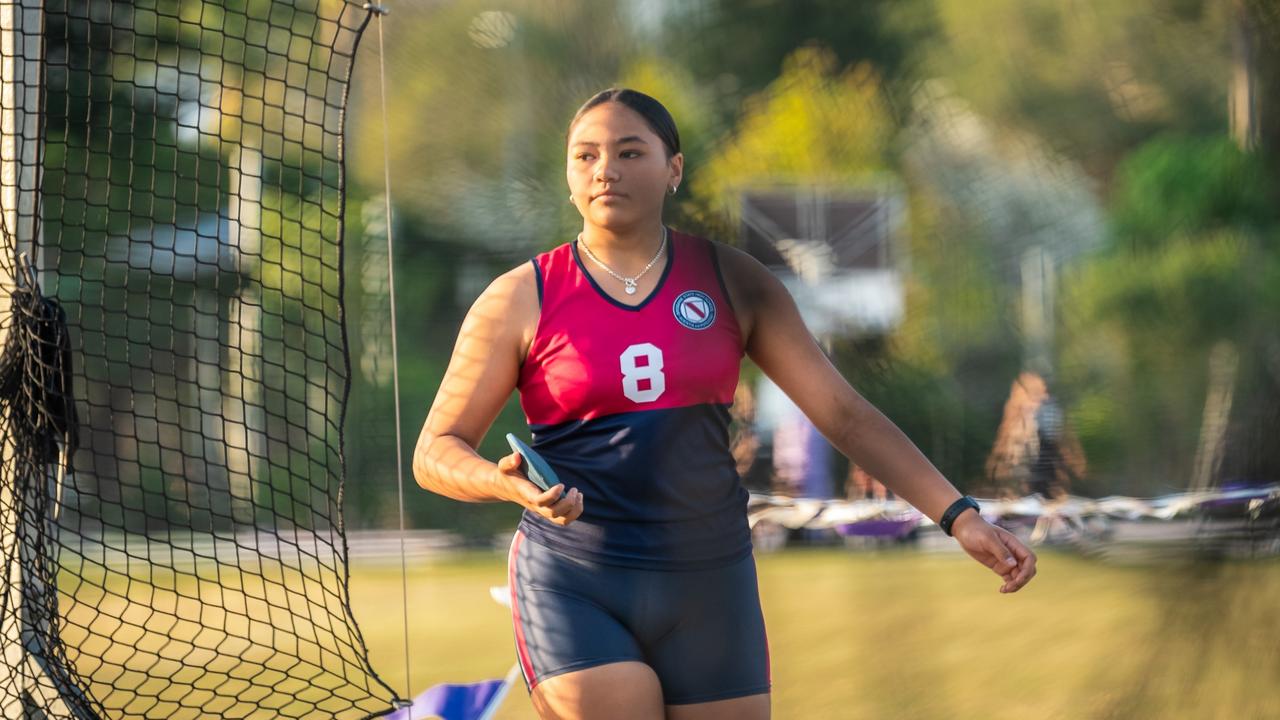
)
(671, 259)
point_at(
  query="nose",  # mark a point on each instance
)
(605, 171)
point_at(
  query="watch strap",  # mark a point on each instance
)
(953, 511)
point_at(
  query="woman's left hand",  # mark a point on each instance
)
(996, 548)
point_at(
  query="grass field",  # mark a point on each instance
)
(916, 635)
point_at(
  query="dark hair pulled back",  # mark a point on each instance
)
(653, 112)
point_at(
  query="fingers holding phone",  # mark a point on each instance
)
(529, 488)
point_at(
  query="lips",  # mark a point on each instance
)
(608, 194)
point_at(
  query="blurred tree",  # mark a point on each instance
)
(738, 49)
(1097, 81)
(1194, 265)
(984, 197)
(477, 103)
(479, 98)
(1093, 78)
(824, 123)
(819, 122)
(1264, 18)
(1175, 186)
(1255, 72)
(172, 189)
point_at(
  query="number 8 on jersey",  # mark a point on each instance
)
(642, 377)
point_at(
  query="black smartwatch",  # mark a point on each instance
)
(954, 511)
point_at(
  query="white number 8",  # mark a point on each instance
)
(632, 373)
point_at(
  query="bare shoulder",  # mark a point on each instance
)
(507, 310)
(741, 268)
(518, 283)
(749, 282)
(485, 365)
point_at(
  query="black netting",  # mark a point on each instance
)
(174, 175)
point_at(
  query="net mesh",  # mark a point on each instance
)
(174, 173)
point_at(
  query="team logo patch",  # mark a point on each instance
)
(694, 309)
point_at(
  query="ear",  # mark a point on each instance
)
(676, 164)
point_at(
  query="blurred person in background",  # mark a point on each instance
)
(801, 457)
(745, 443)
(861, 485)
(1034, 451)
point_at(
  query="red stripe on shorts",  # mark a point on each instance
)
(522, 651)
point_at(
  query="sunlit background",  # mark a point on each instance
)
(997, 216)
(1042, 237)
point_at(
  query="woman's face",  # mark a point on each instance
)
(612, 150)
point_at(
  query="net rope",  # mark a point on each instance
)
(184, 304)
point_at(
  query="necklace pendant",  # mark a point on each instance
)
(631, 286)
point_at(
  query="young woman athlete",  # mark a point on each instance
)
(634, 593)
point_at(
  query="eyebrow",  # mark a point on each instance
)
(629, 138)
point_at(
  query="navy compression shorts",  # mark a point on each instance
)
(702, 631)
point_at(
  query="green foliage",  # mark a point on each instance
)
(1137, 329)
(738, 49)
(1094, 78)
(765, 93)
(478, 102)
(817, 123)
(1179, 186)
(778, 93)
(1189, 292)
(949, 421)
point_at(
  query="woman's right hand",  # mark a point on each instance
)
(515, 486)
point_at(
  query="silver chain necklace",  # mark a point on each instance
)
(629, 282)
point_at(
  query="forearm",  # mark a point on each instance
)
(872, 441)
(447, 465)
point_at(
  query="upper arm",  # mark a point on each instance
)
(486, 359)
(780, 344)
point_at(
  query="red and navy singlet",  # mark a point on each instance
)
(630, 404)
